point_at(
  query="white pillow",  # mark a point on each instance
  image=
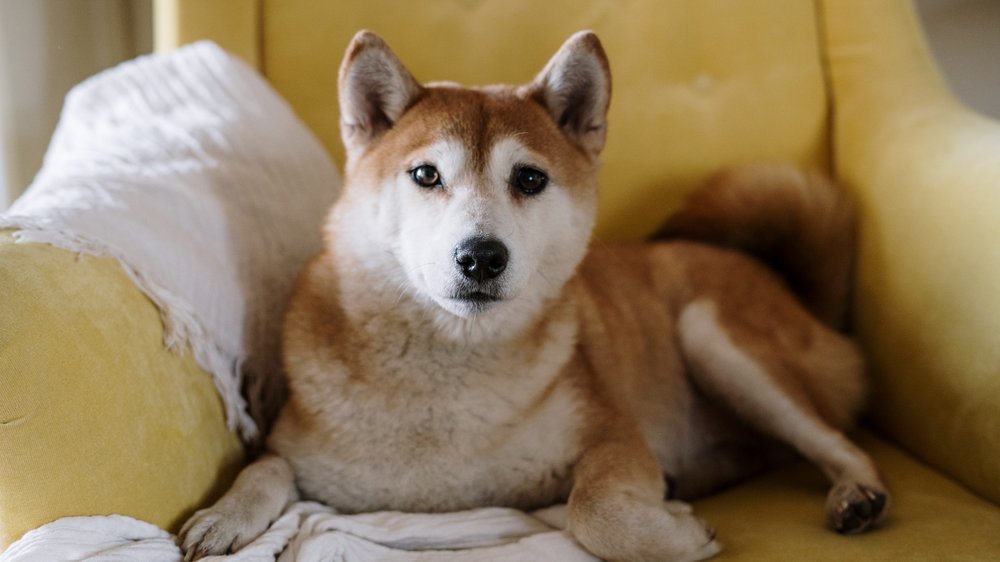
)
(191, 171)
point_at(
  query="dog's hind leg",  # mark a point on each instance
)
(794, 380)
(261, 491)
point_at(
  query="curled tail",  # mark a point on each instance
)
(799, 223)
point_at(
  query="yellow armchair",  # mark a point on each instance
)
(926, 173)
(843, 85)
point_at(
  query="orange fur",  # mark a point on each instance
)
(797, 222)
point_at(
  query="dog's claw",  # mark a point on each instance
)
(859, 509)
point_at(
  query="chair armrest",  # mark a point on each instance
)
(926, 174)
(96, 416)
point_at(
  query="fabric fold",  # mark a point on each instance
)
(312, 532)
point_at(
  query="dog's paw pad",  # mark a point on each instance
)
(854, 508)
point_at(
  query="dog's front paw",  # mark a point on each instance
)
(636, 532)
(853, 508)
(216, 531)
(688, 538)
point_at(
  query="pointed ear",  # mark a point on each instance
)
(575, 87)
(375, 89)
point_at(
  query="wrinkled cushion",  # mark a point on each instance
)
(96, 416)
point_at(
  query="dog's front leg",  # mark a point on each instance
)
(617, 510)
(261, 492)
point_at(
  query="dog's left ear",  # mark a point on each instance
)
(575, 87)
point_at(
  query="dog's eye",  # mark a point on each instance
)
(426, 176)
(528, 180)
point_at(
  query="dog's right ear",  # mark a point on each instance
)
(375, 89)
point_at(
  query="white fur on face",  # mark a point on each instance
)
(546, 234)
(433, 221)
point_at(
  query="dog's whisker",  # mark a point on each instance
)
(403, 285)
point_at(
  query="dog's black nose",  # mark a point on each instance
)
(480, 258)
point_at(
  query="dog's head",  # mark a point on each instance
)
(478, 201)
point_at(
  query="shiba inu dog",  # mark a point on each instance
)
(457, 344)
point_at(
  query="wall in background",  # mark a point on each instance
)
(965, 38)
(46, 47)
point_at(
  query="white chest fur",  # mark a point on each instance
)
(424, 425)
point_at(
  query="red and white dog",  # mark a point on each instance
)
(458, 344)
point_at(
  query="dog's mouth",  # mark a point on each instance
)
(477, 297)
(469, 299)
(473, 300)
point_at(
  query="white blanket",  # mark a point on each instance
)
(191, 171)
(310, 532)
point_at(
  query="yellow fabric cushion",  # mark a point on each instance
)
(96, 417)
(697, 84)
(779, 517)
(927, 177)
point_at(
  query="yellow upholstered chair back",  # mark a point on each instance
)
(697, 84)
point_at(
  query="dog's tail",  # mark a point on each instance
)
(799, 223)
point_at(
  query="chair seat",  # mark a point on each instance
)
(779, 516)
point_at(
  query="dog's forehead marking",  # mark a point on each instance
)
(448, 154)
(508, 151)
(478, 119)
